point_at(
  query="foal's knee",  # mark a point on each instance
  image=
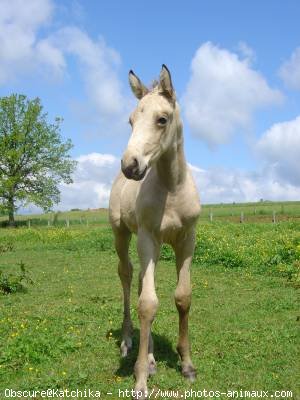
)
(183, 300)
(147, 307)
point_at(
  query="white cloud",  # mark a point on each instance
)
(227, 186)
(96, 172)
(246, 51)
(23, 52)
(223, 92)
(279, 146)
(93, 178)
(290, 71)
(98, 65)
(50, 59)
(19, 25)
(278, 179)
(92, 181)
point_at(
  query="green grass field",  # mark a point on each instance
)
(63, 331)
(263, 211)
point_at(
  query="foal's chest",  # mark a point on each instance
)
(151, 206)
(168, 213)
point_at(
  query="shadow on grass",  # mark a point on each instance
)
(163, 352)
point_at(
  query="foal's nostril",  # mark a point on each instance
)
(131, 168)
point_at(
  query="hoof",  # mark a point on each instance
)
(189, 373)
(125, 347)
(152, 368)
(151, 365)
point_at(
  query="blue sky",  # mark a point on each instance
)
(235, 67)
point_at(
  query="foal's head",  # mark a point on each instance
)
(154, 124)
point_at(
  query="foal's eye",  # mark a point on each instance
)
(162, 121)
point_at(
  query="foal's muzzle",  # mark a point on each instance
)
(133, 170)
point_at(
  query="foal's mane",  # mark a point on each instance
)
(154, 84)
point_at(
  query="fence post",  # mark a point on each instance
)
(48, 222)
(211, 216)
(274, 217)
(87, 222)
(242, 217)
(68, 223)
(28, 223)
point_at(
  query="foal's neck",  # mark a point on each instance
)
(171, 167)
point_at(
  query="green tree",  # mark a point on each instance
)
(33, 157)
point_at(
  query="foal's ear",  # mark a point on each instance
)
(139, 90)
(165, 84)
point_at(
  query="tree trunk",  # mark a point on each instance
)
(11, 212)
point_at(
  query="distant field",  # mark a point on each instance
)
(252, 212)
(63, 331)
(84, 218)
(246, 212)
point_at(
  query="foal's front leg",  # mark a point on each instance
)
(122, 239)
(148, 251)
(184, 250)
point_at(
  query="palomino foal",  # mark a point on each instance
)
(155, 197)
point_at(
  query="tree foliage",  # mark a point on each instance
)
(33, 157)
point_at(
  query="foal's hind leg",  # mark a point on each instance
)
(122, 240)
(184, 250)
